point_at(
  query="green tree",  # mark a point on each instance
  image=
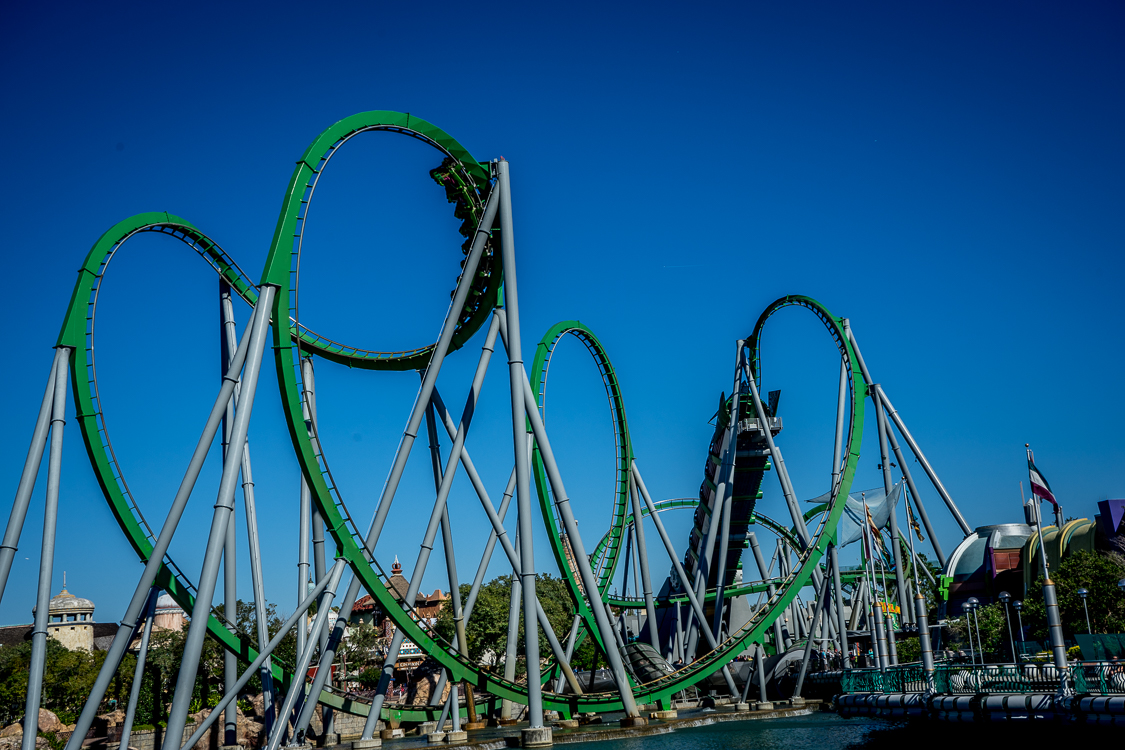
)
(1098, 573)
(487, 628)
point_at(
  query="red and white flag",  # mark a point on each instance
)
(1039, 486)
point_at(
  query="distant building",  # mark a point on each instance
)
(169, 615)
(71, 621)
(425, 611)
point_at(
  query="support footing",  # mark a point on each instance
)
(796, 701)
(663, 715)
(536, 737)
(742, 707)
(435, 738)
(392, 734)
(367, 744)
(633, 721)
(763, 706)
(567, 723)
(459, 736)
(472, 726)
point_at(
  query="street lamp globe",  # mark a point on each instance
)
(1018, 604)
(1005, 597)
(1121, 584)
(1082, 593)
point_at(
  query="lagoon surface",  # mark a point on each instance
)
(827, 731)
(818, 731)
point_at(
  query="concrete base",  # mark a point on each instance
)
(425, 728)
(536, 737)
(633, 721)
(567, 723)
(230, 747)
(797, 701)
(328, 740)
(742, 707)
(663, 715)
(763, 706)
(435, 737)
(367, 744)
(392, 734)
(472, 726)
(452, 737)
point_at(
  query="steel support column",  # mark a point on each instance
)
(27, 479)
(46, 556)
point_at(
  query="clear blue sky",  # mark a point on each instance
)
(948, 176)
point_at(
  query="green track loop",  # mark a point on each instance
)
(466, 183)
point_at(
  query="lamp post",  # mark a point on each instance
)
(1018, 605)
(1006, 597)
(1082, 594)
(967, 609)
(973, 604)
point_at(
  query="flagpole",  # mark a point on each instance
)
(882, 652)
(1050, 600)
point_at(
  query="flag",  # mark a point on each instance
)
(1039, 486)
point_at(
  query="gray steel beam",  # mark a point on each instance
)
(892, 520)
(46, 556)
(779, 465)
(233, 691)
(297, 688)
(570, 526)
(523, 477)
(771, 590)
(230, 549)
(910, 486)
(230, 345)
(642, 559)
(703, 564)
(695, 604)
(820, 600)
(224, 506)
(728, 494)
(155, 561)
(461, 641)
(510, 645)
(431, 530)
(907, 436)
(27, 479)
(441, 348)
(842, 626)
(841, 406)
(139, 671)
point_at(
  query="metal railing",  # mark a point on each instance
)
(1099, 678)
(1094, 678)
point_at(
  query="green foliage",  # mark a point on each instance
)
(1096, 572)
(69, 675)
(369, 678)
(908, 650)
(67, 679)
(487, 629)
(987, 622)
(358, 649)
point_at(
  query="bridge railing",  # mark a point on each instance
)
(961, 679)
(1099, 678)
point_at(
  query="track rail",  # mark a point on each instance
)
(467, 183)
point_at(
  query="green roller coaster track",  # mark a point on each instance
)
(467, 183)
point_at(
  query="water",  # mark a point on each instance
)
(818, 731)
(827, 731)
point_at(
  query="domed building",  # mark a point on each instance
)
(71, 621)
(169, 615)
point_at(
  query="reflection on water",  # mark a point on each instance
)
(827, 731)
(820, 731)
